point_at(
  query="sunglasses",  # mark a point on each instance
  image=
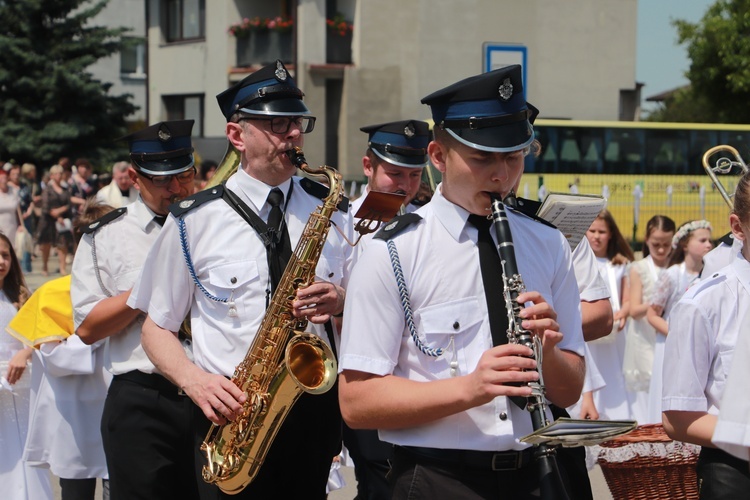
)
(164, 180)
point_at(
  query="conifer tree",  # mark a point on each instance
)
(50, 104)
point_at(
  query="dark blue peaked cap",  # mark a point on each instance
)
(269, 91)
(402, 143)
(487, 111)
(164, 148)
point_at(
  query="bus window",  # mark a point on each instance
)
(666, 152)
(624, 151)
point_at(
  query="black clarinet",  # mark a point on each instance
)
(550, 482)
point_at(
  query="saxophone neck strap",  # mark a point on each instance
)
(250, 216)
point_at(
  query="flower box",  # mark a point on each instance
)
(264, 47)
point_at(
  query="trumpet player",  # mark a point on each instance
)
(436, 387)
(395, 157)
(212, 261)
(145, 416)
(394, 160)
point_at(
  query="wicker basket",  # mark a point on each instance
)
(647, 475)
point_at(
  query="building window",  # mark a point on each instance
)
(185, 19)
(132, 58)
(186, 107)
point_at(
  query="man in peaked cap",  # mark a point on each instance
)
(146, 417)
(233, 271)
(396, 154)
(393, 162)
(424, 371)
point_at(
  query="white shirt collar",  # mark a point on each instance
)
(450, 215)
(257, 191)
(143, 214)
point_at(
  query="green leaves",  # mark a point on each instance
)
(719, 49)
(50, 104)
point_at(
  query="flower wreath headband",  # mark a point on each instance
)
(688, 228)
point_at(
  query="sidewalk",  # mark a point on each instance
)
(34, 279)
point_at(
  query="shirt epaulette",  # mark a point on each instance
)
(716, 278)
(727, 239)
(529, 209)
(396, 225)
(320, 191)
(104, 220)
(185, 205)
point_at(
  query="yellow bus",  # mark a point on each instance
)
(642, 168)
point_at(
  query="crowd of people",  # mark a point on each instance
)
(133, 354)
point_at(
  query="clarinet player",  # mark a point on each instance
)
(438, 387)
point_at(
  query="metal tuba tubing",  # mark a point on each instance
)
(723, 166)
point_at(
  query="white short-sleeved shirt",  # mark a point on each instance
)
(591, 284)
(703, 331)
(440, 262)
(719, 257)
(121, 249)
(732, 432)
(229, 260)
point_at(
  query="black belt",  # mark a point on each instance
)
(151, 380)
(487, 460)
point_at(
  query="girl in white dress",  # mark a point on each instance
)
(17, 480)
(689, 245)
(613, 255)
(641, 336)
(704, 328)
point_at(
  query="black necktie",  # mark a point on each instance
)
(280, 247)
(492, 279)
(160, 219)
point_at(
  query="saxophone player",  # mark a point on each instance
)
(234, 247)
(144, 416)
(436, 387)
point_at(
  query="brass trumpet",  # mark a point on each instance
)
(723, 166)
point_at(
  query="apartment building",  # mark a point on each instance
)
(578, 58)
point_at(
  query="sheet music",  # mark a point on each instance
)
(571, 214)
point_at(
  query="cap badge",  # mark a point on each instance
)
(505, 90)
(186, 203)
(409, 130)
(281, 72)
(164, 134)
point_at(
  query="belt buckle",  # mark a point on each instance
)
(507, 461)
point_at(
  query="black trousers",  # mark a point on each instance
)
(371, 463)
(722, 476)
(82, 489)
(299, 461)
(147, 434)
(416, 478)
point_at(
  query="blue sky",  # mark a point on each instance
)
(660, 62)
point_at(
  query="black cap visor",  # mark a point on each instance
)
(277, 107)
(164, 166)
(387, 153)
(501, 139)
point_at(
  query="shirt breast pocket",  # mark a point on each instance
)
(330, 269)
(235, 281)
(455, 327)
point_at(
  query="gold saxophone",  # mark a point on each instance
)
(282, 361)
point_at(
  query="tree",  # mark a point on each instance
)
(50, 106)
(719, 50)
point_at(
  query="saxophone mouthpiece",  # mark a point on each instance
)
(297, 157)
